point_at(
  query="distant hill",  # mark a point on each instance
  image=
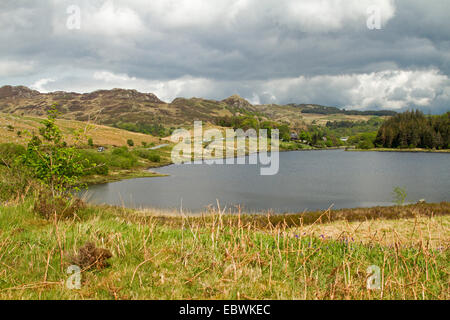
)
(318, 109)
(145, 112)
(115, 106)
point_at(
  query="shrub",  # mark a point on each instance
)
(122, 162)
(51, 161)
(122, 158)
(90, 142)
(130, 142)
(399, 195)
(149, 155)
(89, 257)
(122, 151)
(365, 144)
(14, 183)
(60, 207)
(94, 162)
(9, 152)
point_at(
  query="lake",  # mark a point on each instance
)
(307, 180)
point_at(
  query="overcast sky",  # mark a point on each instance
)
(279, 51)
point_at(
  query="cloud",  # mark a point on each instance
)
(394, 90)
(111, 19)
(9, 68)
(302, 51)
(398, 89)
(165, 90)
(305, 15)
(39, 85)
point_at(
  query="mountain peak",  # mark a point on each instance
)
(237, 101)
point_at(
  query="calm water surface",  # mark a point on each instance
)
(307, 180)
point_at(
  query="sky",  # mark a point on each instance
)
(353, 54)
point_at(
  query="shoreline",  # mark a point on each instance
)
(389, 212)
(146, 173)
(415, 150)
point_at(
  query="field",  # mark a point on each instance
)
(216, 256)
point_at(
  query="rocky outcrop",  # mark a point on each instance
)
(237, 102)
(17, 92)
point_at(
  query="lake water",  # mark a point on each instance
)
(307, 180)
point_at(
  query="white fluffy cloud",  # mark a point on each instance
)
(40, 84)
(165, 90)
(305, 15)
(112, 19)
(127, 17)
(396, 89)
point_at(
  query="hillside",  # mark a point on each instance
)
(13, 129)
(145, 112)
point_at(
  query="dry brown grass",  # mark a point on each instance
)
(101, 135)
(431, 232)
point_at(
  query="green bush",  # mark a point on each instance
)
(122, 162)
(365, 144)
(9, 152)
(122, 158)
(147, 154)
(95, 162)
(122, 152)
(14, 182)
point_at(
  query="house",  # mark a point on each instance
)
(294, 136)
(100, 149)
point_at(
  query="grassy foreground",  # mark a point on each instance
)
(215, 256)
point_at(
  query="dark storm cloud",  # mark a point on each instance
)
(269, 52)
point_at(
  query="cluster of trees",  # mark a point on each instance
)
(363, 140)
(412, 129)
(250, 122)
(333, 110)
(154, 129)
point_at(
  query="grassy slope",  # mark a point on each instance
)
(218, 257)
(101, 135)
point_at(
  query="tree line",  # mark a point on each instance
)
(413, 129)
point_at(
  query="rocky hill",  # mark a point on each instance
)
(118, 105)
(145, 112)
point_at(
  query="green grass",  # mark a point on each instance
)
(204, 258)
